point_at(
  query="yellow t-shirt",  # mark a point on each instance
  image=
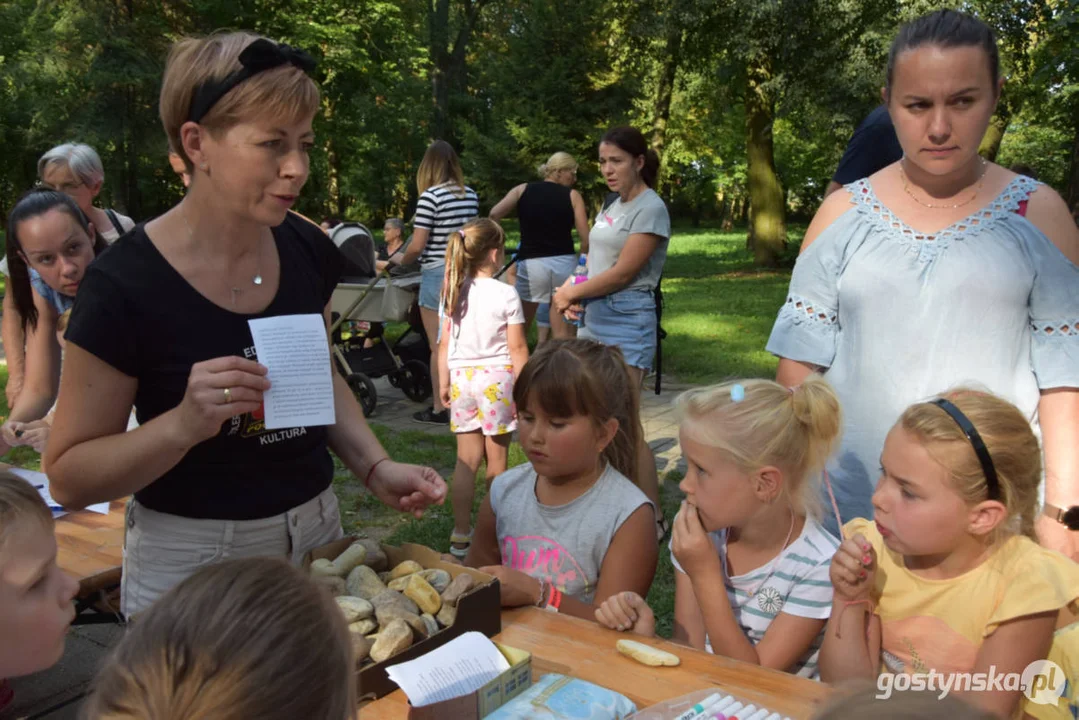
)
(940, 624)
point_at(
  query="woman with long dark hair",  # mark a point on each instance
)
(50, 245)
(627, 250)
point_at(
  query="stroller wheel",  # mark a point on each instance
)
(414, 379)
(365, 392)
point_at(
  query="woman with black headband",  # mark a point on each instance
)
(161, 323)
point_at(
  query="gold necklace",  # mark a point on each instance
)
(255, 280)
(968, 201)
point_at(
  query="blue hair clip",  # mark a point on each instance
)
(738, 393)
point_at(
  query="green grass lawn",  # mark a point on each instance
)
(719, 310)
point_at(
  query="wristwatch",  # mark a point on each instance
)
(1068, 517)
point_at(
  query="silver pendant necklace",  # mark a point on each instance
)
(768, 603)
(256, 279)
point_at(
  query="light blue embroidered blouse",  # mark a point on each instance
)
(897, 316)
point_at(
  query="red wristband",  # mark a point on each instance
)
(371, 472)
(554, 601)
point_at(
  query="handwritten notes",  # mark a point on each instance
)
(295, 351)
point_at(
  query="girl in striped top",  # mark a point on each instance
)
(749, 525)
(445, 204)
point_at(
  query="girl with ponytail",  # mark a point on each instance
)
(749, 525)
(483, 349)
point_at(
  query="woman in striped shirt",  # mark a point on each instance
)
(445, 204)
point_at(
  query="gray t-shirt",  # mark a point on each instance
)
(565, 544)
(645, 213)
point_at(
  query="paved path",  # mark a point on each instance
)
(53, 694)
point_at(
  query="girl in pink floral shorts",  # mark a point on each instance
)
(482, 351)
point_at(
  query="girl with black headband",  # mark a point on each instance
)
(161, 323)
(947, 578)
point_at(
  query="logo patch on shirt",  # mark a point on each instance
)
(769, 600)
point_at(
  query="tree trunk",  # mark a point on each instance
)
(449, 72)
(133, 200)
(768, 232)
(438, 25)
(1072, 190)
(664, 91)
(994, 134)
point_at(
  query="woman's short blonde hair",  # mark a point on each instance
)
(284, 92)
(559, 161)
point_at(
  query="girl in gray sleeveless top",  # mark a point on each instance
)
(569, 529)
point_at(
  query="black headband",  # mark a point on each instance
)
(976, 441)
(259, 56)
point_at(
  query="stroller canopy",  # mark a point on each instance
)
(356, 243)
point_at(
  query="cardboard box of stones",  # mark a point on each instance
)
(401, 602)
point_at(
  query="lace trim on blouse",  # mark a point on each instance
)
(799, 310)
(930, 245)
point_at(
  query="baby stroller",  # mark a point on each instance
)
(362, 302)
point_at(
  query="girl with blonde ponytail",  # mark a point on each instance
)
(483, 349)
(751, 555)
(947, 576)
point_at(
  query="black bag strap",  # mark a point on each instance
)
(115, 220)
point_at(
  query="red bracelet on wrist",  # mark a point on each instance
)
(869, 608)
(371, 472)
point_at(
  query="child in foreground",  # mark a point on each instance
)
(251, 638)
(751, 558)
(569, 528)
(36, 597)
(483, 349)
(947, 577)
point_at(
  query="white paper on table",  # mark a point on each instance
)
(40, 481)
(461, 666)
(294, 350)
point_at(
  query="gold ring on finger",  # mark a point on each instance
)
(228, 396)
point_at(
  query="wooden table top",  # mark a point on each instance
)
(89, 543)
(585, 650)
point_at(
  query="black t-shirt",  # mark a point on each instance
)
(546, 215)
(872, 147)
(138, 314)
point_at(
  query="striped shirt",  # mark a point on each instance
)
(794, 582)
(441, 209)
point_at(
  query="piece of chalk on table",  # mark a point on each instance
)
(723, 705)
(733, 709)
(745, 712)
(716, 711)
(698, 710)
